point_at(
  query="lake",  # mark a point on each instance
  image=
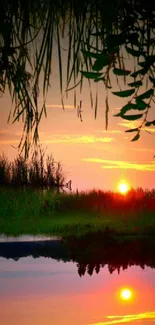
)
(52, 282)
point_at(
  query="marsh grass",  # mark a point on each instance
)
(37, 172)
(32, 211)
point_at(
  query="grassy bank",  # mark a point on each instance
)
(43, 212)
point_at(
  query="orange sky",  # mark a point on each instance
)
(92, 157)
(46, 292)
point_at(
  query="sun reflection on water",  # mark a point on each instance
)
(127, 318)
(126, 294)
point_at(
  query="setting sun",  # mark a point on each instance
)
(123, 187)
(126, 294)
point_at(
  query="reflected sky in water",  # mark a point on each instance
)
(43, 291)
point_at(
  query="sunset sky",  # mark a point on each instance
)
(91, 156)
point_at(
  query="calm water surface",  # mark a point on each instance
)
(48, 291)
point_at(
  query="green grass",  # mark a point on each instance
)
(32, 212)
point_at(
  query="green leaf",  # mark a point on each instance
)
(136, 73)
(150, 123)
(97, 56)
(142, 64)
(89, 54)
(135, 84)
(150, 60)
(141, 104)
(125, 93)
(114, 41)
(121, 72)
(133, 38)
(91, 75)
(101, 63)
(146, 94)
(133, 52)
(99, 79)
(126, 108)
(87, 44)
(137, 136)
(97, 34)
(132, 117)
(132, 130)
(98, 65)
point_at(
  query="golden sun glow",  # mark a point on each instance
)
(126, 294)
(123, 187)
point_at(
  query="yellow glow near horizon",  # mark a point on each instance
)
(126, 294)
(123, 187)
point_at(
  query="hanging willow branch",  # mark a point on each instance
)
(99, 35)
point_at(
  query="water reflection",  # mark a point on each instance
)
(128, 318)
(44, 291)
(90, 253)
(39, 282)
(27, 238)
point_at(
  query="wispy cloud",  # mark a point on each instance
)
(11, 141)
(127, 318)
(135, 124)
(9, 134)
(117, 164)
(143, 150)
(77, 139)
(116, 109)
(109, 131)
(149, 129)
(129, 124)
(9, 137)
(60, 106)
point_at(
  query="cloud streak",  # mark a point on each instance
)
(135, 124)
(60, 106)
(85, 139)
(7, 137)
(109, 131)
(127, 318)
(11, 141)
(143, 150)
(7, 134)
(129, 124)
(117, 164)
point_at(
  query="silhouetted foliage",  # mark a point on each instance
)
(99, 36)
(37, 172)
(4, 171)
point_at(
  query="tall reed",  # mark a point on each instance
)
(37, 172)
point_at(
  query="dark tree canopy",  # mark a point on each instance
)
(99, 35)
